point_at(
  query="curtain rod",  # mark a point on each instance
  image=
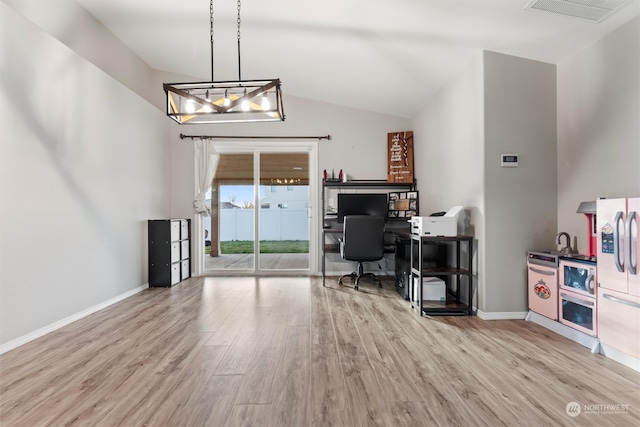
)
(183, 136)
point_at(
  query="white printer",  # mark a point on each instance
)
(450, 224)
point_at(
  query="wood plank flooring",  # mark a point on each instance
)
(247, 351)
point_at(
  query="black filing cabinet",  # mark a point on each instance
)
(169, 251)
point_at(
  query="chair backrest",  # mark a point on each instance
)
(363, 237)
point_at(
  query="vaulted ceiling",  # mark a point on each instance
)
(388, 56)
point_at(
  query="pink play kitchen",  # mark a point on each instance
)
(594, 297)
(542, 270)
(618, 276)
(577, 304)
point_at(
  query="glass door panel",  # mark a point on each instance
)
(231, 226)
(284, 222)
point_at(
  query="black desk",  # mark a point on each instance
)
(337, 231)
(336, 228)
(454, 304)
(327, 232)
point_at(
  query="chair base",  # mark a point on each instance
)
(356, 276)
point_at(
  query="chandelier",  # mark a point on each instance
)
(238, 101)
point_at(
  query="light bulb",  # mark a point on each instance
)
(265, 101)
(245, 103)
(190, 107)
(227, 101)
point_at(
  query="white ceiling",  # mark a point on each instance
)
(388, 56)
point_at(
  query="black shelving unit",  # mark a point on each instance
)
(353, 184)
(169, 247)
(366, 183)
(455, 303)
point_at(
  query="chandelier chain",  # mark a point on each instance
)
(211, 34)
(211, 18)
(238, 21)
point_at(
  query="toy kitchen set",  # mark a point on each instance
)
(587, 297)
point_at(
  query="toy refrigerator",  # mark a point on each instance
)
(618, 274)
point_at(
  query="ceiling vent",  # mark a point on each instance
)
(590, 10)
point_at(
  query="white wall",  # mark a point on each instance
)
(83, 165)
(520, 203)
(501, 104)
(72, 25)
(588, 146)
(598, 126)
(449, 152)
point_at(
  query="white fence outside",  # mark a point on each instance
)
(275, 224)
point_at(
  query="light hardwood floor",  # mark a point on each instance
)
(240, 351)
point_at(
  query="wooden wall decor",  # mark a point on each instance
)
(400, 156)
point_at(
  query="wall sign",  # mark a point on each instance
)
(400, 157)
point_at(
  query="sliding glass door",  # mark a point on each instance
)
(233, 214)
(284, 221)
(261, 213)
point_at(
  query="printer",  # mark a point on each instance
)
(451, 223)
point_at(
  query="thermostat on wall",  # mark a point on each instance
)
(508, 160)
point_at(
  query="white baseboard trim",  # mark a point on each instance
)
(64, 322)
(620, 357)
(496, 315)
(574, 335)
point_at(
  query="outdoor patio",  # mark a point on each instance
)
(267, 261)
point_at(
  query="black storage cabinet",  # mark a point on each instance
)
(169, 246)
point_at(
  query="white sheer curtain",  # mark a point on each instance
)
(207, 161)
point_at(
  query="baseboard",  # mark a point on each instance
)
(64, 322)
(620, 357)
(497, 315)
(574, 335)
(586, 340)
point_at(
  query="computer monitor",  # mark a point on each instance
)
(362, 204)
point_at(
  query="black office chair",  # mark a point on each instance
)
(362, 240)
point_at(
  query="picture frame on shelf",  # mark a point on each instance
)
(403, 204)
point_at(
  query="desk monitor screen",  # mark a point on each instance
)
(362, 204)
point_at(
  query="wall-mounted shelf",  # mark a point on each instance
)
(370, 183)
(356, 184)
